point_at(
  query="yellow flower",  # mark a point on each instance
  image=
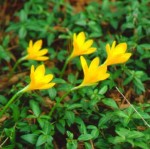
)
(94, 73)
(35, 52)
(80, 46)
(39, 80)
(116, 54)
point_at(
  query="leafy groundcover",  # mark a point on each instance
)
(74, 74)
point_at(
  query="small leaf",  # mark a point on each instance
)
(103, 90)
(3, 99)
(23, 16)
(85, 137)
(22, 32)
(70, 116)
(52, 92)
(110, 102)
(41, 140)
(138, 83)
(71, 78)
(35, 108)
(31, 138)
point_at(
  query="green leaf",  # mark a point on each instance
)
(35, 108)
(70, 116)
(16, 112)
(71, 78)
(138, 83)
(70, 135)
(117, 140)
(4, 54)
(145, 46)
(87, 145)
(74, 106)
(128, 25)
(103, 122)
(22, 32)
(81, 22)
(23, 16)
(95, 133)
(85, 137)
(3, 99)
(61, 126)
(49, 139)
(128, 80)
(59, 81)
(6, 41)
(30, 138)
(103, 90)
(110, 102)
(135, 134)
(41, 140)
(47, 127)
(52, 92)
(72, 144)
(141, 144)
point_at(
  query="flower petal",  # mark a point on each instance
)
(42, 58)
(37, 45)
(121, 48)
(87, 44)
(94, 64)
(47, 86)
(81, 38)
(84, 65)
(42, 52)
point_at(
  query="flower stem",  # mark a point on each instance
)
(9, 103)
(58, 102)
(145, 122)
(15, 66)
(64, 67)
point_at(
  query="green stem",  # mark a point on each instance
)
(58, 102)
(64, 67)
(9, 103)
(15, 66)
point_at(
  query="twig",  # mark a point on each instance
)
(3, 142)
(146, 123)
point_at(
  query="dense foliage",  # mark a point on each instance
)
(92, 117)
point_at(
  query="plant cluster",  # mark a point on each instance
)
(61, 102)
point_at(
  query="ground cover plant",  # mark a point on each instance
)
(75, 74)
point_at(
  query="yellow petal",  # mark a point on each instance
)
(37, 45)
(124, 57)
(47, 86)
(81, 38)
(39, 72)
(42, 52)
(113, 45)
(47, 78)
(84, 65)
(42, 58)
(30, 43)
(87, 44)
(94, 64)
(121, 48)
(89, 51)
(108, 49)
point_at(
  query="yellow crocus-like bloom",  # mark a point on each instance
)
(94, 73)
(116, 54)
(39, 80)
(80, 46)
(35, 52)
